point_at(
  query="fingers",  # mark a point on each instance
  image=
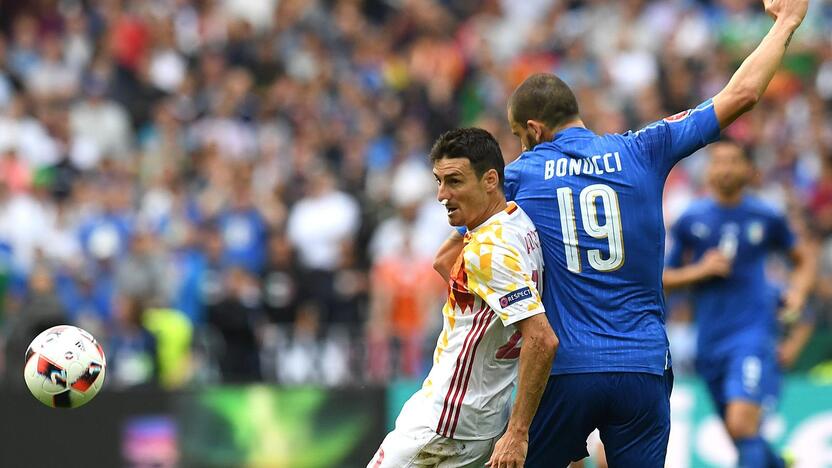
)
(789, 9)
(767, 5)
(723, 268)
(716, 263)
(504, 461)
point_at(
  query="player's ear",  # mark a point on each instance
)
(491, 179)
(537, 129)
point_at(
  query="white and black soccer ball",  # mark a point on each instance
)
(65, 367)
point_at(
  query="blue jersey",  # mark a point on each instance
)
(597, 203)
(737, 312)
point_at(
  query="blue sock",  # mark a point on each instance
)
(755, 453)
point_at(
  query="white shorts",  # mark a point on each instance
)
(423, 447)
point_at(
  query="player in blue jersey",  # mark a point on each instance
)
(596, 202)
(720, 246)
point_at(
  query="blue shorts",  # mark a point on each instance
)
(630, 409)
(742, 375)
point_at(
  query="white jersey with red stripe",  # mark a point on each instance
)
(495, 282)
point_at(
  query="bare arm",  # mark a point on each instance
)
(749, 82)
(447, 255)
(804, 274)
(790, 348)
(803, 279)
(713, 264)
(536, 355)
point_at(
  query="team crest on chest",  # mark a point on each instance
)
(700, 230)
(755, 232)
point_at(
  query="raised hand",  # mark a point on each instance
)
(790, 11)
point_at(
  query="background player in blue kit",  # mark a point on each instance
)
(720, 246)
(596, 202)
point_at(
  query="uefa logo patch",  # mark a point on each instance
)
(515, 296)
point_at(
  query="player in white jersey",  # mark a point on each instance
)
(463, 407)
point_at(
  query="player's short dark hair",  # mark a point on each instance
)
(745, 150)
(543, 97)
(476, 145)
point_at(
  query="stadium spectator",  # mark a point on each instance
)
(39, 309)
(142, 271)
(281, 282)
(317, 226)
(132, 352)
(404, 290)
(236, 318)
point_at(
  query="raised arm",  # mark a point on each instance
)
(752, 78)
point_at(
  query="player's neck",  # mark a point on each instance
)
(570, 124)
(729, 199)
(495, 206)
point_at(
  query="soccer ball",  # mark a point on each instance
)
(64, 367)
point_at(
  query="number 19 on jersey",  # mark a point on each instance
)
(610, 230)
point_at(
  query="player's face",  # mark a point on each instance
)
(728, 170)
(464, 195)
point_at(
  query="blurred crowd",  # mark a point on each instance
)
(238, 190)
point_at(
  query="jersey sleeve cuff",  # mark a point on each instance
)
(514, 318)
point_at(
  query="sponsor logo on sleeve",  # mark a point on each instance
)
(677, 117)
(515, 296)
